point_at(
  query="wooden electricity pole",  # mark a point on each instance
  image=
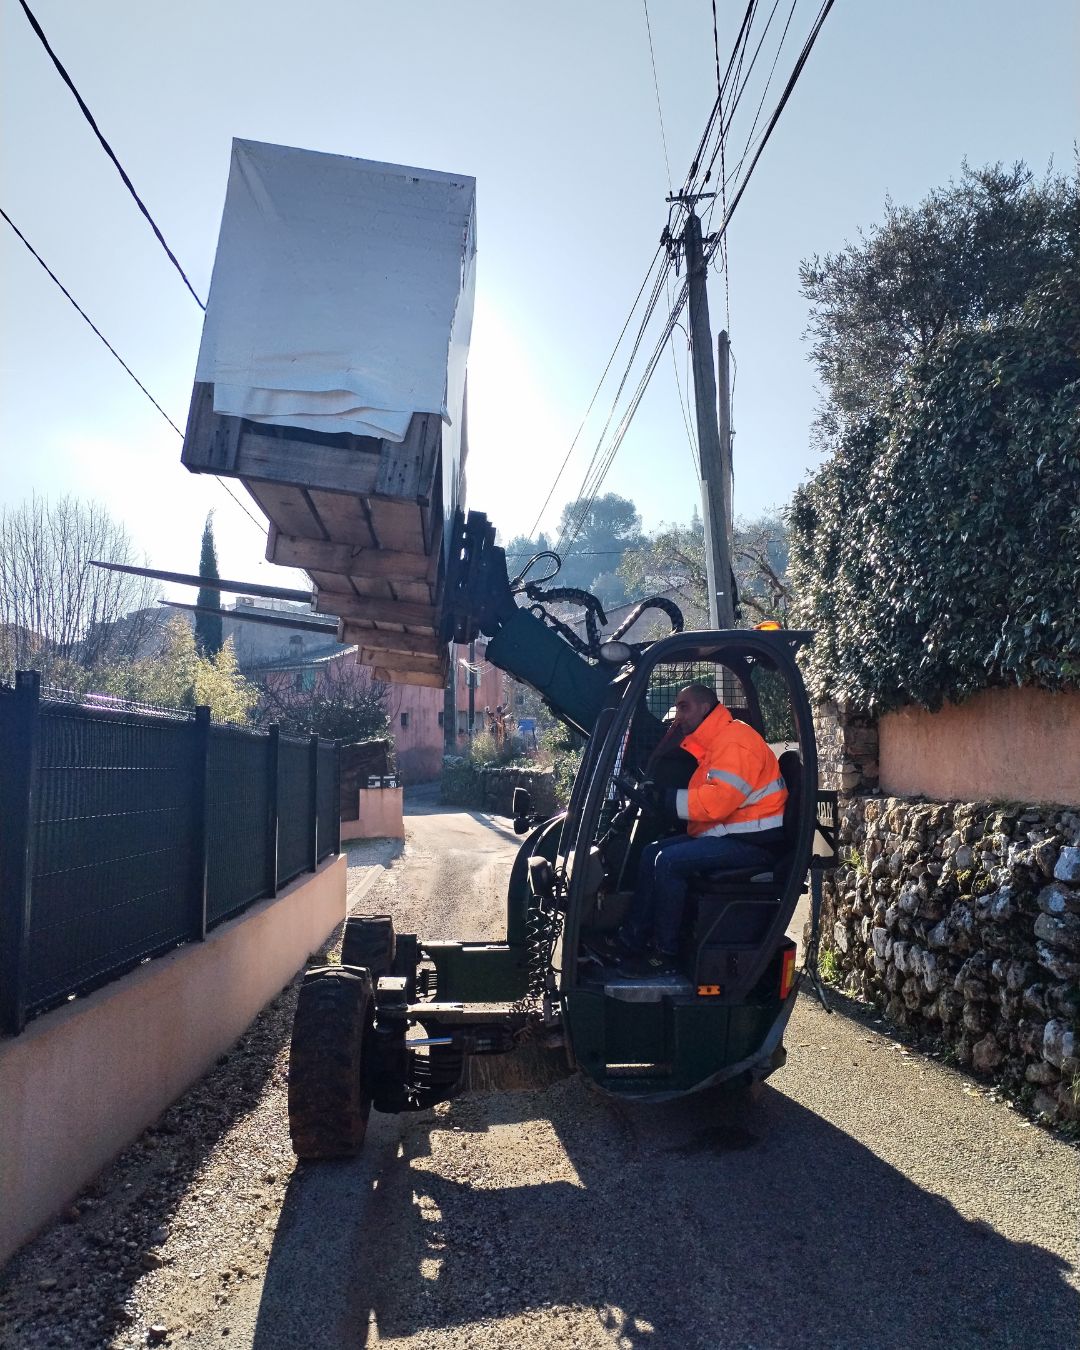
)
(714, 441)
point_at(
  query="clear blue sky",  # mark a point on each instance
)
(552, 108)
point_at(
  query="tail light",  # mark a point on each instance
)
(787, 969)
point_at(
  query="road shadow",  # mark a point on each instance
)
(707, 1222)
(111, 1226)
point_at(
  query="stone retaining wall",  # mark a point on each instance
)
(499, 785)
(847, 748)
(962, 921)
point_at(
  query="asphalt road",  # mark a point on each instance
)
(869, 1197)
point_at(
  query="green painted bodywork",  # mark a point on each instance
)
(479, 972)
(678, 1045)
(537, 655)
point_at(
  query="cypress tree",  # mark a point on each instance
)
(208, 636)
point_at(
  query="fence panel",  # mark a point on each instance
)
(328, 794)
(111, 858)
(104, 860)
(238, 815)
(294, 805)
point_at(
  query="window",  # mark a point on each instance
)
(404, 720)
(441, 718)
(296, 640)
(298, 680)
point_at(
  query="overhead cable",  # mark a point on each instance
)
(603, 457)
(596, 392)
(83, 314)
(98, 333)
(770, 127)
(108, 148)
(656, 86)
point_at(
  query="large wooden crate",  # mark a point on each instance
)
(339, 313)
(362, 517)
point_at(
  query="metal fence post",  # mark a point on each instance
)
(313, 804)
(273, 748)
(200, 821)
(18, 788)
(337, 797)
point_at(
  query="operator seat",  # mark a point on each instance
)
(730, 911)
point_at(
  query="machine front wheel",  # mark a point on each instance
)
(329, 1100)
(368, 943)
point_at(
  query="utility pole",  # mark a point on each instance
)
(450, 745)
(471, 673)
(714, 442)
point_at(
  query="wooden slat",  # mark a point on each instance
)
(415, 592)
(382, 640)
(406, 467)
(290, 550)
(210, 440)
(369, 610)
(344, 518)
(284, 459)
(287, 509)
(397, 524)
(428, 680)
(419, 665)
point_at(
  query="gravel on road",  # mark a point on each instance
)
(868, 1197)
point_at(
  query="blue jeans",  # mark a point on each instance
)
(666, 867)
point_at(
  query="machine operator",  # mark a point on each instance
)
(734, 814)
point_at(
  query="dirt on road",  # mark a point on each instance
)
(870, 1197)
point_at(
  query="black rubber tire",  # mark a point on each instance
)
(369, 944)
(406, 961)
(329, 1102)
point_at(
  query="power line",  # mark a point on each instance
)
(98, 333)
(596, 392)
(602, 459)
(107, 148)
(793, 79)
(82, 312)
(656, 86)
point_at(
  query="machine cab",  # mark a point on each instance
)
(722, 1013)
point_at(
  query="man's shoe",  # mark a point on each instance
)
(609, 947)
(648, 965)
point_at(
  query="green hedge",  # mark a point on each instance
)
(937, 551)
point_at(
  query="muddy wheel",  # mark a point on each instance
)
(328, 1097)
(369, 944)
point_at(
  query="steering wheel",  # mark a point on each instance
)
(633, 793)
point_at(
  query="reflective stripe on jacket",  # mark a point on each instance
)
(737, 787)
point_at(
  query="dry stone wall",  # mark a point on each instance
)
(962, 920)
(847, 748)
(498, 790)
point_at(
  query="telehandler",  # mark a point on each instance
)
(393, 1025)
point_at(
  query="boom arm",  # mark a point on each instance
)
(568, 672)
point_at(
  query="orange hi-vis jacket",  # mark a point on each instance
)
(737, 787)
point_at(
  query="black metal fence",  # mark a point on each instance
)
(124, 834)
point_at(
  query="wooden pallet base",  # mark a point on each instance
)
(363, 517)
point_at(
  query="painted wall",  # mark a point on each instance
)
(83, 1081)
(418, 742)
(1013, 745)
(379, 816)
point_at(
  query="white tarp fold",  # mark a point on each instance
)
(342, 293)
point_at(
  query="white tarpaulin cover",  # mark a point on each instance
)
(342, 293)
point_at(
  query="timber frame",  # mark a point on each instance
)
(362, 516)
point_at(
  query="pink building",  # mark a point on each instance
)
(417, 714)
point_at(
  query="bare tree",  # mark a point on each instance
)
(56, 610)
